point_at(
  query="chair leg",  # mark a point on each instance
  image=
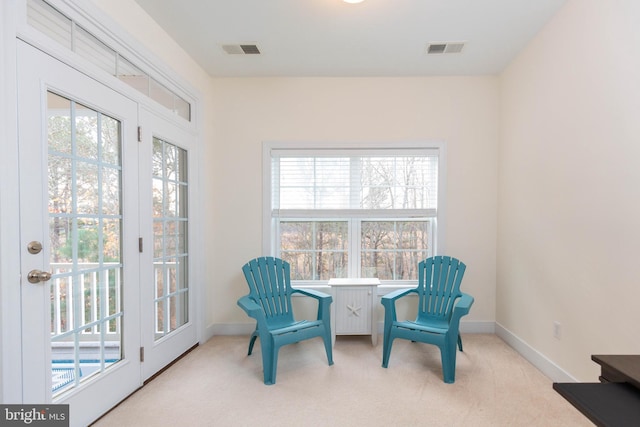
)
(448, 355)
(386, 350)
(252, 341)
(460, 342)
(328, 347)
(268, 363)
(273, 368)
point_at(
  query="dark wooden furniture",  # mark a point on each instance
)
(613, 402)
(619, 368)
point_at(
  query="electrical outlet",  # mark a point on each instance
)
(557, 329)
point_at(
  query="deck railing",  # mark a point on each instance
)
(99, 288)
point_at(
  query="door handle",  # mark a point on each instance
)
(37, 276)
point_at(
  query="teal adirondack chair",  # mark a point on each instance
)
(269, 303)
(440, 307)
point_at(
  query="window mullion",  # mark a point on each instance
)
(314, 246)
(395, 253)
(354, 248)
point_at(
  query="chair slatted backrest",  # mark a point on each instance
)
(270, 286)
(439, 281)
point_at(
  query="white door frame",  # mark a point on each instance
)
(10, 337)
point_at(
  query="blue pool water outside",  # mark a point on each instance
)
(63, 371)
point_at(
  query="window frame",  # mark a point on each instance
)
(270, 239)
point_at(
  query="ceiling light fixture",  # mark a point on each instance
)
(353, 1)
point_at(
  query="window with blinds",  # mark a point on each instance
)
(354, 212)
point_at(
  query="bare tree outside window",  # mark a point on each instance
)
(315, 250)
(391, 250)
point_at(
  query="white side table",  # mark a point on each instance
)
(353, 310)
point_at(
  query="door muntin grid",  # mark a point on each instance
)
(85, 230)
(170, 246)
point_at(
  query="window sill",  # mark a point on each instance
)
(383, 289)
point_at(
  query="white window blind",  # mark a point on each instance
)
(348, 183)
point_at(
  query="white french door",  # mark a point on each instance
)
(79, 238)
(167, 297)
(106, 266)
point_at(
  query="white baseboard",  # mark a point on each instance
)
(537, 359)
(228, 329)
(477, 327)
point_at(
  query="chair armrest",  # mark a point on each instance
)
(462, 307)
(324, 301)
(389, 303)
(251, 308)
(312, 293)
(391, 297)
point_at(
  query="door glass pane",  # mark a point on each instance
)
(170, 247)
(84, 192)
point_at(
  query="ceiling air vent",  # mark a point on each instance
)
(241, 49)
(448, 47)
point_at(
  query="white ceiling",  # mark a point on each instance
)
(333, 38)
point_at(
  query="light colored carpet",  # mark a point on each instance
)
(217, 384)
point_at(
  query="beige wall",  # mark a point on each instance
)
(569, 193)
(239, 114)
(462, 111)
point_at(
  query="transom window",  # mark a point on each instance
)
(352, 211)
(68, 33)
